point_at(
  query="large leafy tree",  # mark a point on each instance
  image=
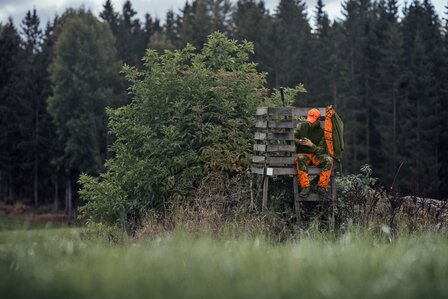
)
(190, 119)
(83, 74)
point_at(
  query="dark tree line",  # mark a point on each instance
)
(387, 76)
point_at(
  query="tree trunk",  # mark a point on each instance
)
(56, 201)
(36, 160)
(68, 195)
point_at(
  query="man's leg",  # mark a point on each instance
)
(302, 161)
(325, 163)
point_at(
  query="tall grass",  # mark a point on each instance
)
(60, 263)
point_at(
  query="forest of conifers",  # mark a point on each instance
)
(383, 66)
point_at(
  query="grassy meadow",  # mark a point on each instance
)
(37, 261)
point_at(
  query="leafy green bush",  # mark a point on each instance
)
(191, 117)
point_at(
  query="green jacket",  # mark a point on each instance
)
(315, 134)
(338, 137)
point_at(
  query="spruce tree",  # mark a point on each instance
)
(358, 70)
(322, 61)
(252, 22)
(443, 138)
(34, 117)
(130, 37)
(388, 91)
(420, 134)
(10, 61)
(110, 16)
(195, 23)
(291, 40)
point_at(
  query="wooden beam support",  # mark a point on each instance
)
(275, 148)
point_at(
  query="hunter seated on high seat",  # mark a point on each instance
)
(311, 148)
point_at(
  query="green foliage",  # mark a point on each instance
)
(365, 204)
(290, 96)
(191, 115)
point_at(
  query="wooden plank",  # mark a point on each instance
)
(281, 136)
(262, 111)
(289, 136)
(263, 124)
(257, 170)
(287, 111)
(282, 124)
(273, 160)
(259, 147)
(278, 124)
(283, 171)
(300, 111)
(260, 136)
(280, 160)
(275, 148)
(274, 170)
(258, 159)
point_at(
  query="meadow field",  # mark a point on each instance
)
(40, 261)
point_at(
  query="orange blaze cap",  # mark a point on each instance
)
(313, 115)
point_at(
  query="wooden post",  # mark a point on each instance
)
(296, 198)
(265, 193)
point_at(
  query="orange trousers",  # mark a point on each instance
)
(324, 162)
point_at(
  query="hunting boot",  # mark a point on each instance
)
(322, 191)
(305, 192)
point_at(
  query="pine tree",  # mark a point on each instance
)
(130, 37)
(220, 13)
(195, 23)
(357, 53)
(388, 91)
(34, 118)
(252, 22)
(151, 27)
(83, 73)
(322, 22)
(322, 61)
(420, 134)
(170, 28)
(291, 39)
(110, 16)
(50, 172)
(443, 138)
(10, 54)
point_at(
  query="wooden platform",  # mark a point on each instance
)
(274, 150)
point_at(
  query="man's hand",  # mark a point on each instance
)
(306, 142)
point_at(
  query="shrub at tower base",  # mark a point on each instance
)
(188, 128)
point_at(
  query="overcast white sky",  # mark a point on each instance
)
(46, 9)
